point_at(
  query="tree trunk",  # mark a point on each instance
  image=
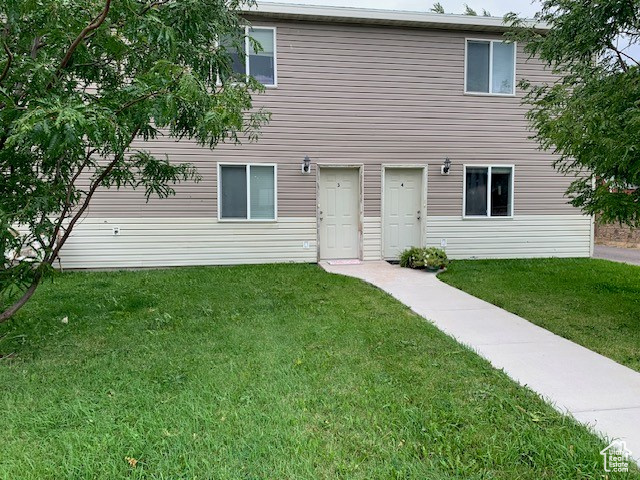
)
(9, 312)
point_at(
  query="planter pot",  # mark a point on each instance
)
(435, 269)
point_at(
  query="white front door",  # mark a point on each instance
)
(339, 213)
(402, 210)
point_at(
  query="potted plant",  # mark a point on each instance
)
(435, 259)
(429, 258)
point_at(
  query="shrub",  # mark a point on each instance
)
(410, 257)
(430, 257)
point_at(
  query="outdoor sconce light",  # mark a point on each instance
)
(306, 164)
(444, 169)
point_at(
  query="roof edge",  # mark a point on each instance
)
(383, 17)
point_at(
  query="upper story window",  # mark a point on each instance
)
(490, 67)
(247, 192)
(488, 191)
(259, 64)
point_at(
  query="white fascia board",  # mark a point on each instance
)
(383, 17)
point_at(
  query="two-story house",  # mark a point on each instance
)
(389, 129)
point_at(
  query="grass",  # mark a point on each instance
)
(279, 371)
(595, 303)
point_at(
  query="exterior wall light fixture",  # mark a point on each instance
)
(306, 164)
(445, 167)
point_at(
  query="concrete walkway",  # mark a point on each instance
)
(617, 254)
(596, 390)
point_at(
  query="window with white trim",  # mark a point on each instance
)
(488, 191)
(491, 67)
(259, 63)
(247, 192)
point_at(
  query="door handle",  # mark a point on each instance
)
(418, 214)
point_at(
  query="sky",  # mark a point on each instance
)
(497, 8)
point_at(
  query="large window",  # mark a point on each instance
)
(247, 192)
(488, 191)
(259, 63)
(490, 67)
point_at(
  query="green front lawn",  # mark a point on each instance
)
(281, 371)
(595, 303)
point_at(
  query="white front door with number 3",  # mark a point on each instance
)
(338, 213)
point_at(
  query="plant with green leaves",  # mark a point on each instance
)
(438, 8)
(431, 258)
(83, 85)
(590, 118)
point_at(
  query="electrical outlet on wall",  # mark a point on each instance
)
(443, 242)
(116, 230)
(305, 244)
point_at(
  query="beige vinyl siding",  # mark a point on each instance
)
(154, 241)
(527, 236)
(173, 241)
(373, 95)
(372, 238)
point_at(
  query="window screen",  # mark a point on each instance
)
(233, 193)
(478, 66)
(262, 192)
(502, 78)
(500, 191)
(262, 63)
(476, 194)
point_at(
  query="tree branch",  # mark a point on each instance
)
(99, 20)
(67, 202)
(37, 45)
(9, 312)
(619, 53)
(157, 3)
(629, 57)
(5, 71)
(621, 62)
(94, 186)
(130, 103)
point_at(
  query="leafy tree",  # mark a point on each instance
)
(84, 83)
(591, 117)
(469, 11)
(437, 8)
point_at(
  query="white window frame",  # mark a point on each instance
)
(464, 192)
(491, 42)
(275, 52)
(246, 57)
(248, 171)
